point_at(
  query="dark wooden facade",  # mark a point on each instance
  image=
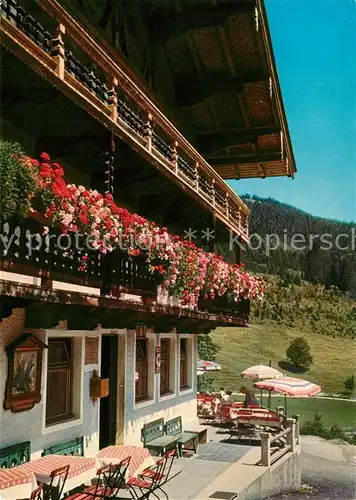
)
(111, 91)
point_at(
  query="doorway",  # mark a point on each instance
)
(108, 405)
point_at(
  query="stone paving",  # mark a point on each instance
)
(212, 460)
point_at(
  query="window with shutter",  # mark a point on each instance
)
(165, 367)
(141, 387)
(59, 380)
(183, 363)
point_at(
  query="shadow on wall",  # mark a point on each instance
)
(134, 426)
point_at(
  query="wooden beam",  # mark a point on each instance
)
(243, 110)
(241, 160)
(66, 145)
(226, 138)
(168, 22)
(190, 91)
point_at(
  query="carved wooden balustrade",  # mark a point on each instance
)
(106, 92)
(25, 250)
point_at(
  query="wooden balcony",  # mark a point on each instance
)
(112, 98)
(50, 267)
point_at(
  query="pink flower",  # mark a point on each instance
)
(45, 156)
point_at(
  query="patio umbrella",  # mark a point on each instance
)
(207, 366)
(261, 372)
(289, 386)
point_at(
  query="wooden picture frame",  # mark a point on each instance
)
(23, 385)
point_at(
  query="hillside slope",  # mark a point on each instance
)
(334, 358)
(324, 317)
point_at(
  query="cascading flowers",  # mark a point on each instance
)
(187, 271)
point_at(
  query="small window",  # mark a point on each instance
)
(59, 381)
(165, 367)
(183, 364)
(141, 386)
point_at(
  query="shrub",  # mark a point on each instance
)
(350, 383)
(316, 427)
(205, 383)
(17, 183)
(299, 353)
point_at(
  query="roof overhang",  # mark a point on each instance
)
(226, 85)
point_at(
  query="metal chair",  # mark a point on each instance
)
(153, 478)
(54, 490)
(37, 493)
(110, 479)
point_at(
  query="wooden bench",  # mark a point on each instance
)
(15, 455)
(202, 432)
(174, 428)
(74, 447)
(155, 439)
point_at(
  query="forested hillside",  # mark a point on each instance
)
(323, 252)
(306, 307)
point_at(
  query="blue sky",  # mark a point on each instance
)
(315, 43)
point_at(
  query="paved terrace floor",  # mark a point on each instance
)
(212, 462)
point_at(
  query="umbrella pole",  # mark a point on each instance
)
(285, 404)
(269, 399)
(261, 397)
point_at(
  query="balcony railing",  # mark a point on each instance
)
(113, 98)
(221, 306)
(25, 250)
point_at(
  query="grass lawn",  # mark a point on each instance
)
(334, 358)
(332, 411)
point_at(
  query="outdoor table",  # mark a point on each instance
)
(140, 458)
(81, 470)
(16, 483)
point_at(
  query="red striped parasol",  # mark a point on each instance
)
(289, 386)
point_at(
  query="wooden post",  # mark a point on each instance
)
(148, 132)
(175, 156)
(290, 438)
(265, 449)
(227, 205)
(112, 98)
(58, 50)
(213, 192)
(196, 172)
(297, 428)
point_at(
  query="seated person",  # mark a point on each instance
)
(221, 393)
(226, 398)
(250, 398)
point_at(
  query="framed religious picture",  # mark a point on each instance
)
(23, 386)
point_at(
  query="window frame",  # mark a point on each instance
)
(188, 384)
(68, 414)
(144, 396)
(166, 364)
(183, 386)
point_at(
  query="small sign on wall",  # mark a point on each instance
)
(136, 376)
(157, 359)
